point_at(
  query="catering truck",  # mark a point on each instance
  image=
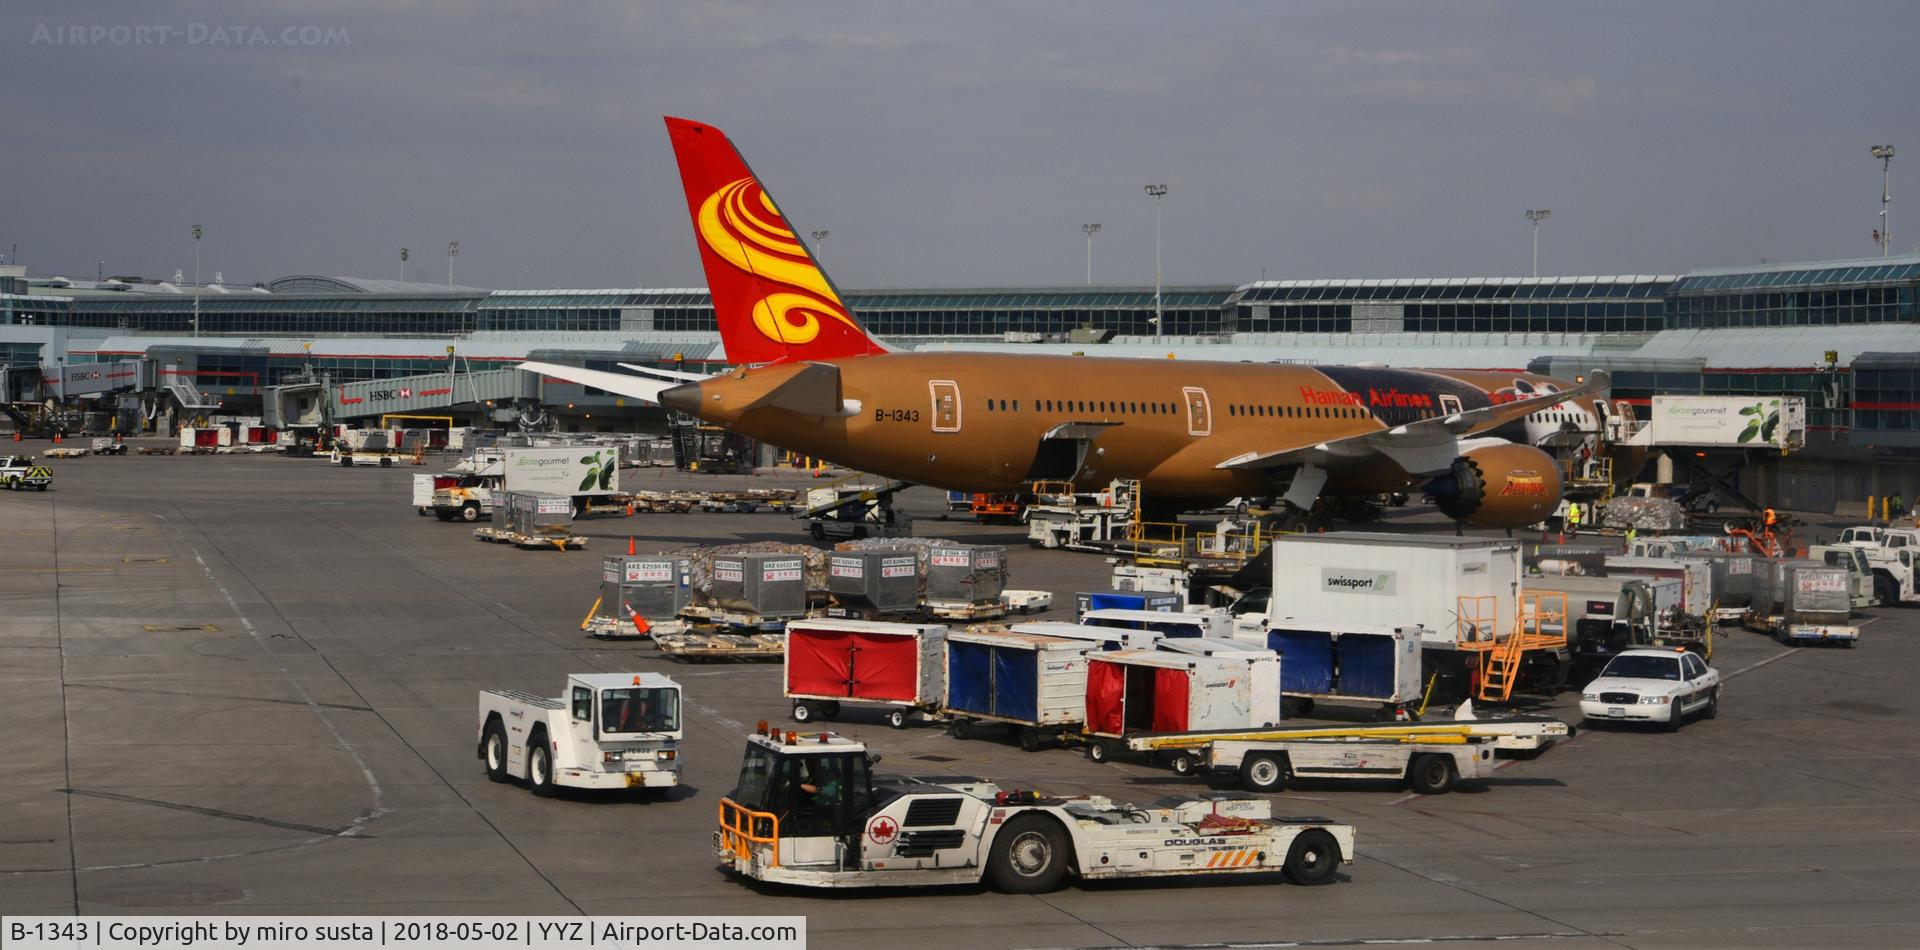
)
(580, 472)
(1757, 422)
(610, 730)
(807, 810)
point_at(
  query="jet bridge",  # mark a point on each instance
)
(414, 394)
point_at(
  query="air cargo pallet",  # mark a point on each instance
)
(530, 541)
(608, 628)
(707, 645)
(969, 612)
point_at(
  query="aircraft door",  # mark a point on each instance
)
(946, 405)
(1449, 404)
(1199, 412)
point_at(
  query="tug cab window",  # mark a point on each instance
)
(639, 709)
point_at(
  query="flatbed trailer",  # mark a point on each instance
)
(1430, 757)
(562, 542)
(1801, 634)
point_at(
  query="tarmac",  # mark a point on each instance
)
(246, 685)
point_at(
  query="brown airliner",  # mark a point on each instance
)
(1192, 432)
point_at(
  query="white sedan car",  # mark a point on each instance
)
(1663, 686)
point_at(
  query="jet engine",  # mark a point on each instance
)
(1501, 485)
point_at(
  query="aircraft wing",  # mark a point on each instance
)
(680, 375)
(1429, 445)
(635, 387)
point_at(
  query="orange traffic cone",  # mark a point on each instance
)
(56, 438)
(629, 509)
(630, 550)
(639, 622)
(16, 436)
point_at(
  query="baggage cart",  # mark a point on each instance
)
(1034, 684)
(898, 666)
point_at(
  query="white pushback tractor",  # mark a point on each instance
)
(808, 811)
(610, 730)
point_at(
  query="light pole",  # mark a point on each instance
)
(404, 254)
(453, 251)
(196, 280)
(820, 247)
(1090, 230)
(1885, 154)
(1536, 217)
(1159, 313)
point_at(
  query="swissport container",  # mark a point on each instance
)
(1140, 691)
(1125, 600)
(830, 661)
(1377, 664)
(1022, 678)
(1389, 580)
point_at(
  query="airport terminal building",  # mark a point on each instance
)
(1844, 334)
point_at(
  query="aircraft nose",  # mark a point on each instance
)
(682, 398)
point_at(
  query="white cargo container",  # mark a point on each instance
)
(1184, 625)
(1107, 638)
(1778, 422)
(1130, 692)
(1372, 579)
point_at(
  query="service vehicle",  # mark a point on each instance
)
(20, 472)
(1662, 686)
(610, 730)
(1896, 578)
(807, 810)
(1861, 584)
(583, 473)
(1863, 536)
(1430, 757)
(997, 507)
(109, 445)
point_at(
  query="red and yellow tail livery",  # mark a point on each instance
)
(773, 301)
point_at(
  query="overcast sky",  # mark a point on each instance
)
(959, 144)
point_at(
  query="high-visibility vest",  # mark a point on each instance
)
(1771, 520)
(1573, 514)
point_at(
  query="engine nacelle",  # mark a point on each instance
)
(1499, 486)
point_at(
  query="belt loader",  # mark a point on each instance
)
(1429, 757)
(808, 811)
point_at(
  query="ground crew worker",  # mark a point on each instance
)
(1772, 520)
(1897, 507)
(1631, 534)
(1573, 519)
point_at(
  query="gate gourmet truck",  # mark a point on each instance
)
(610, 730)
(580, 472)
(808, 811)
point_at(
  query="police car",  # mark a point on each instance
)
(1663, 686)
